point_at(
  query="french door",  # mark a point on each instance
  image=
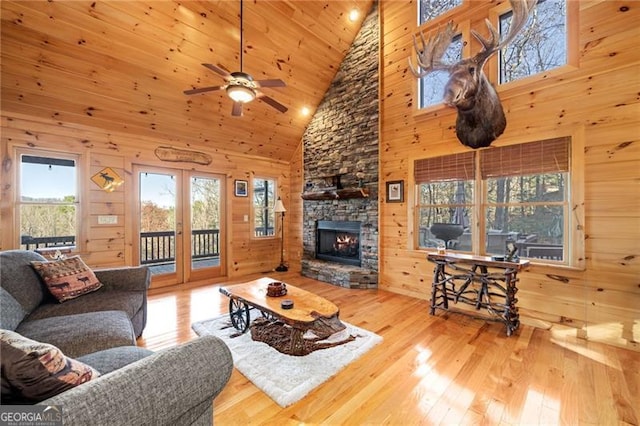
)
(180, 224)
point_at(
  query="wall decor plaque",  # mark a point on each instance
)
(168, 153)
(107, 179)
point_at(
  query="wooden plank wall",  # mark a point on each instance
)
(598, 99)
(293, 240)
(111, 245)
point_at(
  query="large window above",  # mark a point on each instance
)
(540, 46)
(47, 200)
(264, 199)
(517, 193)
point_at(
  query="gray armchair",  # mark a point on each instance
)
(172, 387)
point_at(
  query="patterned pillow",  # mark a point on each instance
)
(67, 278)
(34, 371)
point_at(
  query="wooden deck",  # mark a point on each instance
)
(443, 369)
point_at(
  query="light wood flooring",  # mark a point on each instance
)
(446, 369)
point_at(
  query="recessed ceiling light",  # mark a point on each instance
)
(305, 111)
(353, 15)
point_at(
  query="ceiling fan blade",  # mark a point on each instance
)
(202, 90)
(237, 109)
(217, 70)
(277, 105)
(276, 82)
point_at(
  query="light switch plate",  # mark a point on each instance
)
(108, 220)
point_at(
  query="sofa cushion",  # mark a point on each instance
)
(21, 280)
(102, 300)
(11, 312)
(34, 371)
(115, 358)
(81, 334)
(67, 278)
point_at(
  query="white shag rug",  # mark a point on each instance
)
(286, 378)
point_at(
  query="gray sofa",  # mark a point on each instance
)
(112, 316)
(175, 386)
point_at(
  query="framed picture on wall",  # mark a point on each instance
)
(395, 191)
(242, 188)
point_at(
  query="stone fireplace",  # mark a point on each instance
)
(340, 161)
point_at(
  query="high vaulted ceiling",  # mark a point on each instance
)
(122, 66)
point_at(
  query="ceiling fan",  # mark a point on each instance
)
(241, 87)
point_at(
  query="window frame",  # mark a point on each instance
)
(464, 31)
(492, 67)
(267, 208)
(18, 202)
(574, 219)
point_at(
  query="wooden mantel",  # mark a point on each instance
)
(336, 194)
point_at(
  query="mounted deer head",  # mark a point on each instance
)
(480, 115)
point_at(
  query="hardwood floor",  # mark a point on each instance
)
(443, 369)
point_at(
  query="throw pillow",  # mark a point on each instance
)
(34, 371)
(67, 278)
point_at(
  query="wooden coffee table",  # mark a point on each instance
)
(284, 329)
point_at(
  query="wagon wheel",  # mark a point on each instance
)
(239, 313)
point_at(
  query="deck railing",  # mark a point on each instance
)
(159, 246)
(155, 247)
(528, 247)
(32, 243)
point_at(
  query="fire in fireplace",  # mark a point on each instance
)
(338, 241)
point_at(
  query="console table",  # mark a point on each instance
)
(479, 281)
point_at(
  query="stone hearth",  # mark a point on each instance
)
(347, 276)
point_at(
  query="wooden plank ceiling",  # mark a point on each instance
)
(122, 66)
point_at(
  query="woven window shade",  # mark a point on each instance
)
(445, 168)
(547, 156)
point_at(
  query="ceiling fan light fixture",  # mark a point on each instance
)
(240, 93)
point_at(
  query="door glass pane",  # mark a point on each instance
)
(158, 222)
(205, 222)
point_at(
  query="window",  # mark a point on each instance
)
(47, 200)
(540, 46)
(264, 199)
(526, 197)
(523, 195)
(432, 85)
(445, 197)
(430, 9)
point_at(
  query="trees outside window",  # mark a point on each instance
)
(264, 199)
(445, 196)
(430, 9)
(524, 198)
(540, 46)
(432, 85)
(47, 202)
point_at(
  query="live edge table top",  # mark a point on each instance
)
(307, 307)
